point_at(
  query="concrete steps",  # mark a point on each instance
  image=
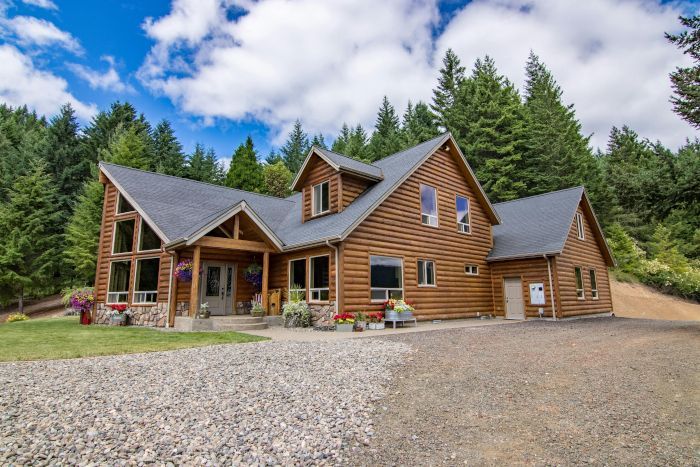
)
(240, 323)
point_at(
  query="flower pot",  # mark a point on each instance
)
(361, 325)
(344, 327)
(376, 326)
(118, 319)
(203, 314)
(391, 315)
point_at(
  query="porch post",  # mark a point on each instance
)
(194, 295)
(172, 306)
(266, 266)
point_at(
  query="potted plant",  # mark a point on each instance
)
(344, 322)
(397, 309)
(81, 300)
(360, 321)
(203, 311)
(253, 274)
(376, 320)
(183, 270)
(119, 315)
(257, 310)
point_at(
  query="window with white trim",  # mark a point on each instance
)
(426, 273)
(594, 284)
(297, 279)
(119, 278)
(123, 206)
(146, 283)
(462, 208)
(580, 231)
(321, 198)
(148, 239)
(428, 205)
(471, 269)
(578, 272)
(319, 278)
(386, 278)
(123, 236)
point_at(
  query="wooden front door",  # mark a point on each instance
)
(214, 287)
(515, 305)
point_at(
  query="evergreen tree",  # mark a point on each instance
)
(168, 156)
(101, 131)
(203, 166)
(296, 148)
(29, 238)
(663, 248)
(130, 147)
(83, 232)
(626, 252)
(245, 172)
(686, 80)
(340, 145)
(278, 179)
(386, 139)
(418, 125)
(319, 141)
(273, 158)
(358, 147)
(445, 95)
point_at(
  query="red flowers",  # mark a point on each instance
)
(344, 318)
(375, 317)
(119, 308)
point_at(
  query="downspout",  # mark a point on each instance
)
(551, 288)
(335, 248)
(170, 285)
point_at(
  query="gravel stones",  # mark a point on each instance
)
(263, 403)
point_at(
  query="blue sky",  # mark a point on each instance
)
(220, 70)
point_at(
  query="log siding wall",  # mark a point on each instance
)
(586, 254)
(395, 229)
(532, 270)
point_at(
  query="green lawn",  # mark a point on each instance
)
(55, 338)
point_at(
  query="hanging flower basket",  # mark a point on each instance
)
(183, 270)
(253, 274)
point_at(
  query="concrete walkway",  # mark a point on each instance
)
(280, 333)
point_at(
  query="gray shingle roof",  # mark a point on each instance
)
(351, 165)
(534, 225)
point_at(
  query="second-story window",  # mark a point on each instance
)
(580, 231)
(321, 198)
(428, 205)
(123, 236)
(462, 206)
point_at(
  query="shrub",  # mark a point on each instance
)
(296, 314)
(17, 317)
(685, 283)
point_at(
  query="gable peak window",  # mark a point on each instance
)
(123, 206)
(580, 231)
(321, 198)
(462, 207)
(426, 273)
(578, 272)
(148, 239)
(123, 236)
(428, 205)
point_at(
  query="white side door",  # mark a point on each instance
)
(515, 305)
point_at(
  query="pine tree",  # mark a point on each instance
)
(101, 131)
(168, 156)
(273, 158)
(663, 248)
(130, 147)
(341, 143)
(418, 125)
(245, 172)
(626, 252)
(83, 232)
(319, 141)
(386, 139)
(296, 148)
(278, 179)
(202, 165)
(686, 81)
(445, 95)
(29, 239)
(358, 147)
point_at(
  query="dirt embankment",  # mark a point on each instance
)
(639, 301)
(44, 308)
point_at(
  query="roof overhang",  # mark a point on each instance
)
(296, 184)
(598, 230)
(522, 256)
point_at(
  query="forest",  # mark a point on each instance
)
(519, 143)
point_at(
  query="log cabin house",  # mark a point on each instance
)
(415, 225)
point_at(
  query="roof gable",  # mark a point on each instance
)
(339, 163)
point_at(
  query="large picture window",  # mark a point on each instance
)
(123, 236)
(123, 206)
(579, 283)
(119, 277)
(428, 205)
(297, 279)
(386, 278)
(146, 283)
(148, 240)
(319, 278)
(321, 198)
(426, 273)
(462, 207)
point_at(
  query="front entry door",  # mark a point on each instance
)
(515, 306)
(214, 287)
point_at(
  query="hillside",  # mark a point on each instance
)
(639, 301)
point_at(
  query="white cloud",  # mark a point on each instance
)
(29, 30)
(331, 62)
(23, 84)
(46, 4)
(106, 81)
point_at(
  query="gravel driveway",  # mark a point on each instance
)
(265, 403)
(600, 391)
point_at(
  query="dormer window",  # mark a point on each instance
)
(321, 198)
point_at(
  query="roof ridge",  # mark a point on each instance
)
(347, 157)
(412, 147)
(541, 194)
(194, 181)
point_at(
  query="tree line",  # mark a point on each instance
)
(519, 143)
